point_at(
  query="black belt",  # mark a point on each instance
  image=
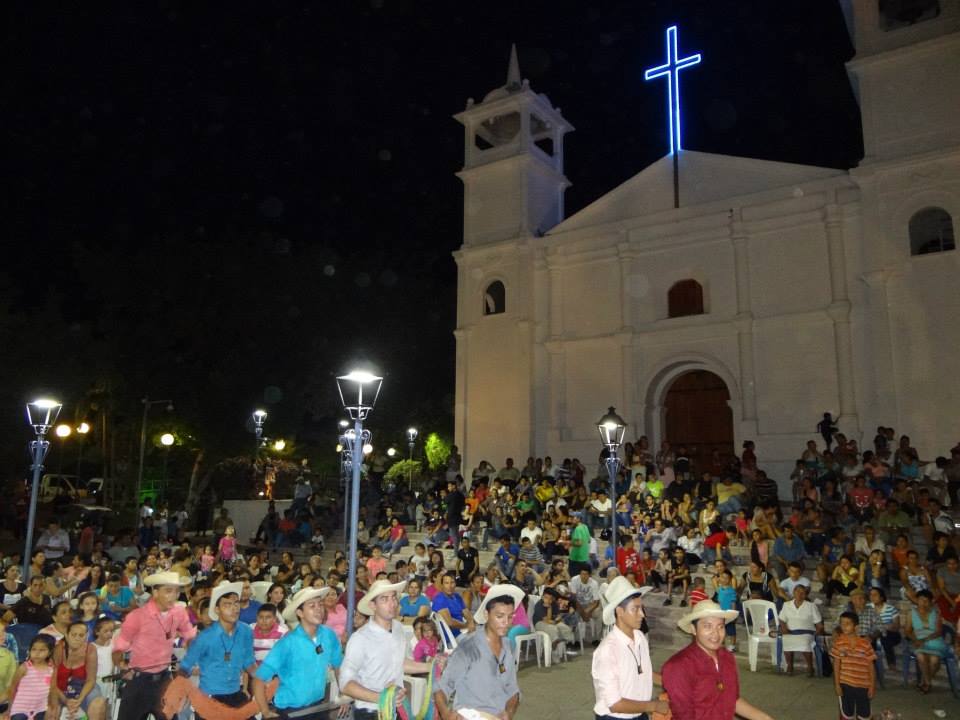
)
(155, 676)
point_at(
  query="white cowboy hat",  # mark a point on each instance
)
(619, 590)
(512, 591)
(380, 587)
(166, 578)
(705, 608)
(224, 588)
(302, 596)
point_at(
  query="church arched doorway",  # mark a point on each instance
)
(697, 415)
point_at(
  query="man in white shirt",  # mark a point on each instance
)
(532, 531)
(600, 508)
(868, 542)
(793, 579)
(587, 592)
(375, 657)
(800, 617)
(54, 541)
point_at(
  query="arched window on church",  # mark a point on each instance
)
(494, 298)
(903, 13)
(685, 298)
(931, 231)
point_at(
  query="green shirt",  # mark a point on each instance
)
(580, 553)
(8, 666)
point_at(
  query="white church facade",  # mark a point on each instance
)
(775, 292)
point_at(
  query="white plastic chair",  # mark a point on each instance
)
(446, 634)
(538, 639)
(756, 616)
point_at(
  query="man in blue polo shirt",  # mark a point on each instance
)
(450, 606)
(300, 659)
(224, 651)
(507, 555)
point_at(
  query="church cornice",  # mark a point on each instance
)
(880, 58)
(869, 169)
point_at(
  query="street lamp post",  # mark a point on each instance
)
(41, 414)
(147, 404)
(411, 440)
(612, 428)
(358, 393)
(344, 453)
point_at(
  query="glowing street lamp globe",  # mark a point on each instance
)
(391, 452)
(279, 445)
(83, 428)
(42, 414)
(612, 428)
(167, 439)
(411, 434)
(63, 431)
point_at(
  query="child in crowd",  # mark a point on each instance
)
(427, 646)
(207, 559)
(30, 689)
(743, 528)
(266, 632)
(854, 672)
(227, 549)
(661, 571)
(698, 592)
(377, 563)
(89, 607)
(727, 599)
(420, 562)
(647, 563)
(679, 575)
(103, 630)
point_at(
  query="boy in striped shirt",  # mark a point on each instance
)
(266, 631)
(854, 675)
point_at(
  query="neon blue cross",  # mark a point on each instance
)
(672, 69)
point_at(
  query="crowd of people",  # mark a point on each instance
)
(259, 632)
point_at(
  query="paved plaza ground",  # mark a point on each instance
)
(565, 691)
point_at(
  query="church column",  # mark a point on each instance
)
(558, 392)
(625, 259)
(556, 296)
(884, 400)
(839, 312)
(462, 401)
(744, 321)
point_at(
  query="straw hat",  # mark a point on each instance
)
(166, 578)
(224, 588)
(380, 587)
(705, 608)
(495, 591)
(619, 590)
(302, 596)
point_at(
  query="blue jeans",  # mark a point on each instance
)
(733, 505)
(393, 547)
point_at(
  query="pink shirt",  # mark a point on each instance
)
(337, 620)
(615, 673)
(149, 636)
(376, 565)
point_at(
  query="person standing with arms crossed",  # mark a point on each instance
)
(148, 634)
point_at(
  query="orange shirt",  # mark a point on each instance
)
(853, 655)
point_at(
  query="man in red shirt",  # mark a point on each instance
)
(628, 559)
(701, 680)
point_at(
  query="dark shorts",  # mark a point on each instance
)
(854, 702)
(641, 716)
(141, 695)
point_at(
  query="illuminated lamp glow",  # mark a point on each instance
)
(63, 431)
(671, 70)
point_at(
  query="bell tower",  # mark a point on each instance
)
(513, 162)
(906, 75)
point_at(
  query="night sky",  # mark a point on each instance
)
(227, 203)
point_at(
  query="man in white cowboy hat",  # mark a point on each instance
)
(224, 651)
(481, 674)
(375, 658)
(300, 659)
(701, 680)
(148, 634)
(623, 677)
